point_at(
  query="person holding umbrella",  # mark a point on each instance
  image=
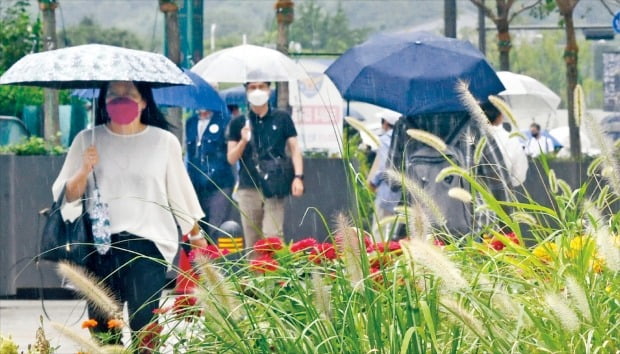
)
(138, 167)
(263, 135)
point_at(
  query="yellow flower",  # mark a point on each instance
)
(544, 251)
(579, 242)
(597, 265)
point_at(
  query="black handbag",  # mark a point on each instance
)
(275, 175)
(66, 241)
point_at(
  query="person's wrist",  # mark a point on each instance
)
(299, 176)
(196, 237)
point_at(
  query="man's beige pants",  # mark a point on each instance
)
(260, 216)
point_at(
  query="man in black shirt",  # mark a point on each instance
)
(273, 132)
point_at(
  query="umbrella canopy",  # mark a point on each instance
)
(413, 73)
(91, 65)
(526, 96)
(247, 63)
(200, 95)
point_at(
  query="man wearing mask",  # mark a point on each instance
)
(385, 199)
(264, 134)
(208, 167)
(538, 143)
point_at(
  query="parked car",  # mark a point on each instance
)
(12, 130)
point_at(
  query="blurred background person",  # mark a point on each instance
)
(209, 170)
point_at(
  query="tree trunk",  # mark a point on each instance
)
(173, 52)
(51, 124)
(284, 17)
(503, 45)
(571, 59)
(503, 34)
(449, 18)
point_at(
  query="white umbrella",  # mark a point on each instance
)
(527, 97)
(247, 63)
(91, 65)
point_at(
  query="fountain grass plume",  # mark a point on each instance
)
(460, 194)
(578, 297)
(427, 138)
(87, 344)
(466, 317)
(362, 128)
(523, 218)
(218, 287)
(605, 246)
(87, 285)
(609, 161)
(348, 244)
(480, 149)
(579, 104)
(473, 107)
(501, 105)
(422, 198)
(424, 254)
(322, 296)
(553, 181)
(566, 316)
(419, 224)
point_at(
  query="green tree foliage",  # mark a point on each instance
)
(19, 35)
(541, 58)
(318, 30)
(88, 31)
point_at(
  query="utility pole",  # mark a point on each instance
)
(482, 33)
(173, 52)
(449, 18)
(285, 15)
(50, 106)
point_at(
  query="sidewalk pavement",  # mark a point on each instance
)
(20, 319)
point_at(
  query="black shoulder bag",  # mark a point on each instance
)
(63, 240)
(275, 175)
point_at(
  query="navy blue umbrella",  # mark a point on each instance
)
(200, 95)
(413, 73)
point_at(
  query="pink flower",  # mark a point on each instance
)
(303, 245)
(264, 264)
(268, 245)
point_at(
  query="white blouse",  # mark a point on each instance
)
(142, 178)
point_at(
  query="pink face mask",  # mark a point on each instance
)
(122, 110)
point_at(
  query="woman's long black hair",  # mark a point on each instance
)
(150, 115)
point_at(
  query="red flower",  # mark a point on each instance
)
(150, 337)
(303, 244)
(391, 246)
(264, 264)
(268, 245)
(322, 251)
(498, 245)
(210, 251)
(185, 305)
(90, 323)
(439, 243)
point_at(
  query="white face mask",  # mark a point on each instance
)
(258, 97)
